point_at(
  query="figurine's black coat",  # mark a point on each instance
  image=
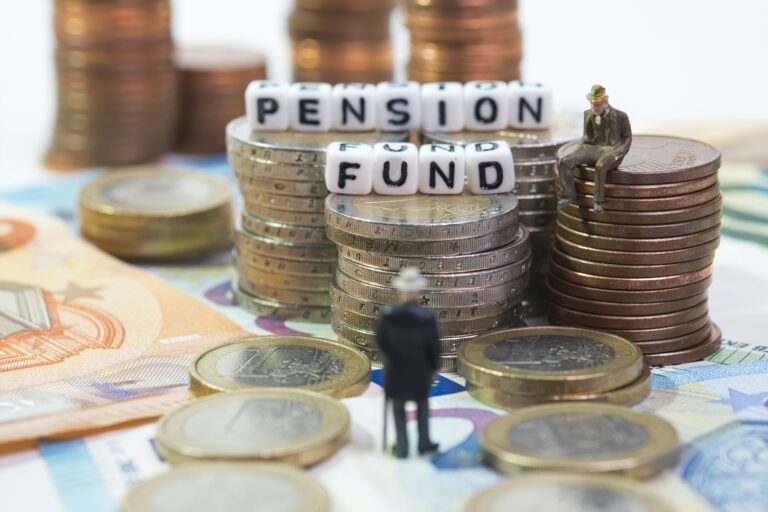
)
(407, 336)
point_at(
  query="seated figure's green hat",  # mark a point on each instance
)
(597, 94)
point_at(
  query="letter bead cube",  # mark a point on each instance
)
(486, 105)
(530, 106)
(398, 106)
(490, 167)
(442, 107)
(441, 169)
(395, 168)
(310, 106)
(266, 105)
(348, 168)
(354, 107)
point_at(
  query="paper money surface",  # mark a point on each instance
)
(87, 341)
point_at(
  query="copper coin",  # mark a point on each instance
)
(612, 270)
(656, 333)
(630, 283)
(644, 218)
(636, 258)
(613, 190)
(654, 204)
(622, 308)
(678, 343)
(629, 296)
(671, 243)
(638, 231)
(638, 321)
(687, 355)
(658, 159)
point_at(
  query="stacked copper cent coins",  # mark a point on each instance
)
(283, 259)
(534, 153)
(211, 85)
(339, 41)
(463, 40)
(115, 81)
(470, 249)
(641, 268)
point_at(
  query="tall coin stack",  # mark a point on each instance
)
(534, 153)
(641, 268)
(339, 41)
(463, 40)
(470, 249)
(116, 83)
(283, 258)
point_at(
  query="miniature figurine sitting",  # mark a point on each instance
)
(606, 141)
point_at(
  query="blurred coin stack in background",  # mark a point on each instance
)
(534, 153)
(157, 213)
(642, 267)
(283, 258)
(116, 83)
(470, 249)
(211, 85)
(341, 40)
(463, 40)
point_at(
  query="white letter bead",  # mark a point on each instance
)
(442, 107)
(441, 169)
(348, 168)
(486, 105)
(310, 106)
(530, 105)
(266, 105)
(490, 167)
(398, 105)
(354, 107)
(395, 168)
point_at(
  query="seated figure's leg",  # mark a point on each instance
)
(608, 161)
(584, 155)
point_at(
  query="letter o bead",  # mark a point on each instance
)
(348, 168)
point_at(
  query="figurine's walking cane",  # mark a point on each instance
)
(384, 428)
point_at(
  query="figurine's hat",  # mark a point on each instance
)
(409, 280)
(597, 94)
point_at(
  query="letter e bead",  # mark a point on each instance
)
(310, 106)
(348, 168)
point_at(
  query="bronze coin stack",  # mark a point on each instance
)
(339, 41)
(463, 40)
(116, 83)
(641, 268)
(211, 85)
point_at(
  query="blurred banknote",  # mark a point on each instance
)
(87, 341)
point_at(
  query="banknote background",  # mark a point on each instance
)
(718, 406)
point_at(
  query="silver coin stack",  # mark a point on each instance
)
(535, 175)
(471, 249)
(283, 258)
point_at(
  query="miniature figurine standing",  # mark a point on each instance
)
(408, 339)
(606, 141)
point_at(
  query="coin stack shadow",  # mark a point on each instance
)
(211, 85)
(341, 40)
(642, 267)
(534, 153)
(116, 83)
(463, 40)
(283, 258)
(470, 249)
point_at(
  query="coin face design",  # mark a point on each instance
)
(154, 192)
(549, 352)
(280, 365)
(423, 207)
(577, 434)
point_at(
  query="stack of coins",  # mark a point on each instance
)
(116, 83)
(534, 152)
(341, 40)
(283, 257)
(157, 213)
(531, 365)
(470, 249)
(463, 40)
(211, 85)
(641, 268)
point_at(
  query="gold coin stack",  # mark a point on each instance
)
(533, 365)
(534, 152)
(157, 213)
(341, 40)
(211, 85)
(641, 268)
(470, 249)
(463, 40)
(116, 83)
(283, 258)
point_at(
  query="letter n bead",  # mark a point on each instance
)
(530, 106)
(354, 107)
(266, 105)
(310, 106)
(395, 168)
(348, 168)
(441, 169)
(490, 167)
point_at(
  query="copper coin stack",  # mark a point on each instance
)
(341, 40)
(641, 268)
(463, 40)
(211, 85)
(116, 83)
